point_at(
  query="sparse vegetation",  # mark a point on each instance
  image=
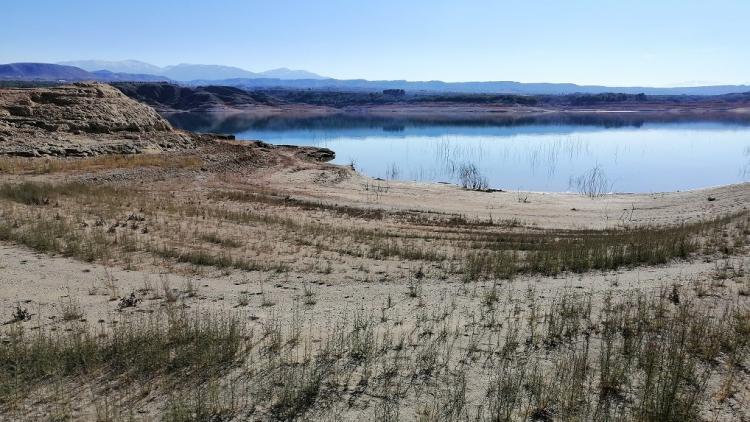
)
(594, 183)
(638, 356)
(71, 309)
(55, 165)
(309, 296)
(20, 314)
(482, 248)
(180, 345)
(469, 177)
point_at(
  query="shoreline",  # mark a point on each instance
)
(455, 109)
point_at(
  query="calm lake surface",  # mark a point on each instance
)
(635, 154)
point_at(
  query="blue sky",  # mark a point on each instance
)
(655, 43)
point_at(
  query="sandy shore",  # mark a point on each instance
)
(544, 210)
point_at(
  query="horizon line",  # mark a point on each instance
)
(324, 78)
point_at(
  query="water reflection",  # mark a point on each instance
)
(745, 169)
(636, 152)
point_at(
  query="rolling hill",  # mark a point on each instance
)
(185, 72)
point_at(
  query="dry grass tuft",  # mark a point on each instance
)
(10, 165)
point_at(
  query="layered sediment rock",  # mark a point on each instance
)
(81, 120)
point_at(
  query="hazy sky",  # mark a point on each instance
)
(634, 42)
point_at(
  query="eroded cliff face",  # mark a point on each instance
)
(81, 120)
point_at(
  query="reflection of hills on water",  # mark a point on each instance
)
(237, 123)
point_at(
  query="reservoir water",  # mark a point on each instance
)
(544, 153)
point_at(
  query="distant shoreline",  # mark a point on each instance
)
(171, 98)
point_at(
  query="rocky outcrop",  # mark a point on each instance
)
(81, 120)
(322, 155)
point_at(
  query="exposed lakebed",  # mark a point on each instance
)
(542, 153)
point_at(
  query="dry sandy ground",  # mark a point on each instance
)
(42, 281)
(43, 284)
(46, 284)
(544, 210)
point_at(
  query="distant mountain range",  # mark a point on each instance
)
(42, 72)
(122, 66)
(187, 74)
(55, 72)
(491, 87)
